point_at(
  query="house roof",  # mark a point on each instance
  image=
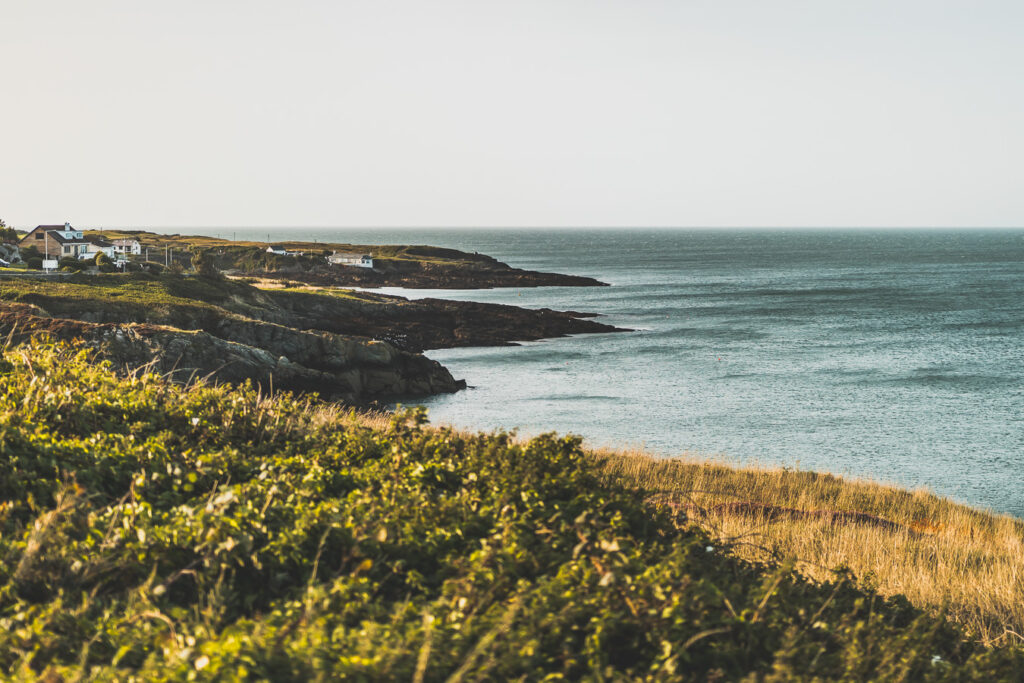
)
(99, 242)
(125, 242)
(61, 239)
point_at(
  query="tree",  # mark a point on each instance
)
(7, 234)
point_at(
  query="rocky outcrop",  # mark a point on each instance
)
(10, 253)
(271, 318)
(352, 370)
(418, 325)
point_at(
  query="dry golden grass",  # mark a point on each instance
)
(939, 554)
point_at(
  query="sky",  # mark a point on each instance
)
(537, 113)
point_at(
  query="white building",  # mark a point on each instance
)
(359, 260)
(281, 251)
(96, 246)
(127, 246)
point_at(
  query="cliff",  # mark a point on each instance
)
(271, 356)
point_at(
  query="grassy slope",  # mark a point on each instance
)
(211, 533)
(941, 555)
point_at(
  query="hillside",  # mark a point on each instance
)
(210, 533)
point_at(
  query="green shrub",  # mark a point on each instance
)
(34, 263)
(103, 263)
(70, 263)
(210, 533)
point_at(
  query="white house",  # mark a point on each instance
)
(96, 246)
(56, 241)
(360, 260)
(281, 251)
(127, 246)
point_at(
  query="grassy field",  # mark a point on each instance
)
(151, 531)
(941, 555)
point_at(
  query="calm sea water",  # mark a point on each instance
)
(893, 355)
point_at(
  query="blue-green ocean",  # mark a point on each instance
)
(896, 355)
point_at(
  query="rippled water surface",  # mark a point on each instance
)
(895, 355)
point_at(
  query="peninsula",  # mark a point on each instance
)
(273, 314)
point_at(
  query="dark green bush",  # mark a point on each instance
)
(34, 263)
(70, 263)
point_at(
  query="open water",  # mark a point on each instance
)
(896, 355)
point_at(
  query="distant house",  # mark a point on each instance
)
(281, 251)
(127, 246)
(360, 260)
(56, 241)
(96, 246)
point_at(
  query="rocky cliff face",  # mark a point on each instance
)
(418, 325)
(10, 253)
(352, 370)
(271, 317)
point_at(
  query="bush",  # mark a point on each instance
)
(34, 263)
(72, 264)
(103, 263)
(204, 266)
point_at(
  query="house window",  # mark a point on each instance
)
(39, 235)
(67, 250)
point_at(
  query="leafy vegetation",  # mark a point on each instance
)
(153, 531)
(7, 234)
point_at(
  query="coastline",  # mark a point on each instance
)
(284, 333)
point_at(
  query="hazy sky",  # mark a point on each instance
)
(533, 113)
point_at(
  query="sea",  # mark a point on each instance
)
(891, 355)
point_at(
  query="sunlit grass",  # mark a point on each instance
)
(939, 554)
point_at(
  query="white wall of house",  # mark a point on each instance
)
(359, 260)
(91, 251)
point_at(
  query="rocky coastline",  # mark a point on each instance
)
(354, 347)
